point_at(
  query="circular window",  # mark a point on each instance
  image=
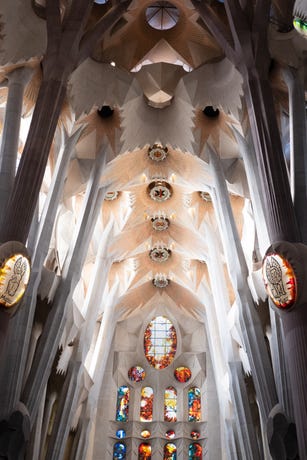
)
(145, 434)
(182, 374)
(120, 434)
(162, 15)
(170, 434)
(136, 374)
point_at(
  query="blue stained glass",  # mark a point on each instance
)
(194, 404)
(122, 407)
(195, 451)
(120, 434)
(119, 451)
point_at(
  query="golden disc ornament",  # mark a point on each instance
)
(15, 269)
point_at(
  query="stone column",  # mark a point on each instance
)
(16, 346)
(53, 328)
(17, 81)
(250, 324)
(298, 146)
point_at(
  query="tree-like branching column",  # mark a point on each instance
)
(69, 44)
(245, 43)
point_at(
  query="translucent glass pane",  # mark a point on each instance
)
(119, 451)
(170, 405)
(144, 451)
(170, 451)
(122, 407)
(160, 342)
(194, 404)
(146, 404)
(195, 451)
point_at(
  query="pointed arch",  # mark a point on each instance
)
(122, 406)
(194, 404)
(146, 407)
(170, 404)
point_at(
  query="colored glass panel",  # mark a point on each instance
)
(170, 451)
(119, 451)
(136, 374)
(182, 374)
(122, 407)
(120, 434)
(170, 434)
(195, 451)
(146, 434)
(146, 404)
(160, 342)
(145, 451)
(170, 405)
(195, 434)
(194, 404)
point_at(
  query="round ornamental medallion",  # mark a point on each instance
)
(206, 196)
(15, 272)
(157, 152)
(160, 281)
(159, 191)
(160, 254)
(110, 196)
(160, 224)
(280, 280)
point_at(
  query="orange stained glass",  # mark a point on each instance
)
(182, 374)
(160, 342)
(144, 451)
(147, 396)
(170, 405)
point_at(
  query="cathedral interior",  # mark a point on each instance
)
(153, 229)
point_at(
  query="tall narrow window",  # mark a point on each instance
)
(119, 451)
(146, 404)
(122, 407)
(195, 451)
(194, 403)
(170, 451)
(145, 451)
(170, 405)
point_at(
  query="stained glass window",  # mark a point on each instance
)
(182, 374)
(194, 404)
(170, 405)
(144, 451)
(170, 451)
(120, 434)
(119, 451)
(136, 374)
(195, 451)
(145, 434)
(170, 434)
(122, 407)
(146, 404)
(160, 342)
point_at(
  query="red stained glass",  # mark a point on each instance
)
(146, 404)
(182, 374)
(195, 434)
(160, 342)
(170, 451)
(170, 434)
